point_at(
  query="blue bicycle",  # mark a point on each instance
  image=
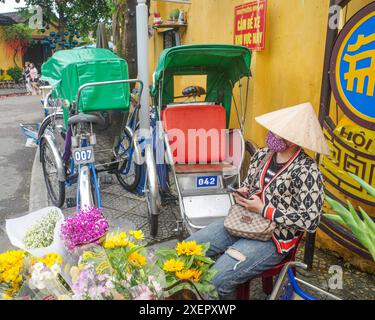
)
(97, 135)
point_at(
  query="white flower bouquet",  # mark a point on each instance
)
(38, 232)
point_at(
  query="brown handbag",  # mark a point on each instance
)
(243, 223)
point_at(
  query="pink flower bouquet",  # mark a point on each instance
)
(86, 226)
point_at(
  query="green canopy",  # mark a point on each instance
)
(223, 64)
(67, 70)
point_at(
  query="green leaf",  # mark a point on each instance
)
(164, 251)
(364, 184)
(189, 262)
(355, 216)
(369, 222)
(208, 276)
(335, 218)
(341, 210)
(166, 254)
(205, 259)
(205, 247)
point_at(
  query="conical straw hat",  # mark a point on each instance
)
(297, 124)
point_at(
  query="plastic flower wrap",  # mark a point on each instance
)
(45, 281)
(135, 278)
(187, 263)
(11, 273)
(86, 226)
(90, 275)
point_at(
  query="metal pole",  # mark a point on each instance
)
(143, 64)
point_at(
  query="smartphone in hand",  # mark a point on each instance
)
(233, 190)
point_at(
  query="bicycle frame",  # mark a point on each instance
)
(131, 125)
(87, 175)
(287, 273)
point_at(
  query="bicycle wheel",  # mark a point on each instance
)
(55, 188)
(128, 174)
(54, 124)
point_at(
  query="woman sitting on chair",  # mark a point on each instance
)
(287, 189)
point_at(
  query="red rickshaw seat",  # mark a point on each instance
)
(186, 147)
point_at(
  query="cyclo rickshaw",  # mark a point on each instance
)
(92, 88)
(192, 134)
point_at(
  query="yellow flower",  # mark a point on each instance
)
(185, 275)
(137, 234)
(196, 275)
(6, 297)
(11, 292)
(137, 259)
(109, 244)
(87, 255)
(190, 248)
(102, 267)
(50, 259)
(116, 240)
(173, 265)
(122, 235)
(11, 264)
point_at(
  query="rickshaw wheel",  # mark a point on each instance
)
(55, 188)
(152, 210)
(129, 186)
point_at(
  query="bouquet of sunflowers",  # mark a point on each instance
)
(135, 278)
(120, 267)
(187, 267)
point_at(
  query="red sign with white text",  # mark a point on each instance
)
(250, 25)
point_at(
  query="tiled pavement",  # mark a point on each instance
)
(126, 210)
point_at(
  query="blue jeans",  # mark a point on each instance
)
(245, 259)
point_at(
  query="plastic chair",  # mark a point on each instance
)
(243, 290)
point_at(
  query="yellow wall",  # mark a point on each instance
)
(287, 72)
(6, 54)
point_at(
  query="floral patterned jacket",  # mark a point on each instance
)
(293, 198)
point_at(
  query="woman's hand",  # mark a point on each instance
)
(244, 191)
(253, 204)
